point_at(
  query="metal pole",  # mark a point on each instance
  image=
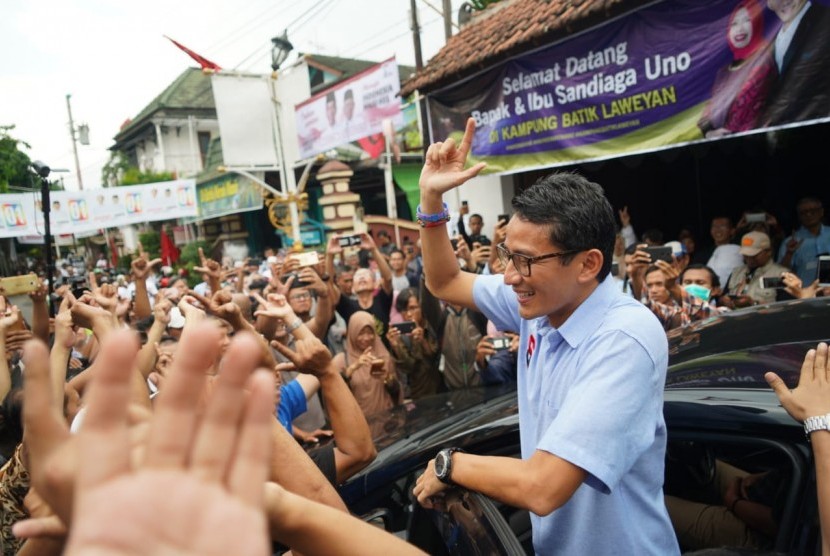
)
(288, 180)
(416, 35)
(74, 144)
(447, 8)
(46, 207)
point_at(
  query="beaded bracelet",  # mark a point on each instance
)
(432, 220)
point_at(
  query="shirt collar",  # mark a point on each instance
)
(583, 321)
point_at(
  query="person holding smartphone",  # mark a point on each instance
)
(745, 286)
(416, 352)
(367, 366)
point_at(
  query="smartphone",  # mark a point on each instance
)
(615, 269)
(505, 217)
(454, 243)
(772, 282)
(309, 258)
(660, 253)
(377, 367)
(500, 343)
(824, 271)
(16, 285)
(348, 241)
(297, 283)
(405, 327)
(464, 203)
(752, 217)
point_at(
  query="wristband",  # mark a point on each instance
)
(295, 325)
(432, 220)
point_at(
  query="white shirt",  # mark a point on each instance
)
(724, 260)
(785, 36)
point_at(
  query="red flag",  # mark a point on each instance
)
(204, 62)
(113, 250)
(169, 251)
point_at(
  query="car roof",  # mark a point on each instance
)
(736, 348)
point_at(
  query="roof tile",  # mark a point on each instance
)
(508, 28)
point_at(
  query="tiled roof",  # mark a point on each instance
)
(508, 28)
(191, 92)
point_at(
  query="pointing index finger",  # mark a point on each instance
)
(467, 140)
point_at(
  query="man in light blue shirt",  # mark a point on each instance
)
(801, 250)
(592, 365)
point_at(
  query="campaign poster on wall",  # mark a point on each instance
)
(669, 73)
(350, 110)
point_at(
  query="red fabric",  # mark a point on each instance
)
(113, 251)
(373, 145)
(169, 251)
(204, 62)
(756, 16)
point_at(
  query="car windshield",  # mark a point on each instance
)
(740, 369)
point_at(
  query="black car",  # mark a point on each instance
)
(718, 409)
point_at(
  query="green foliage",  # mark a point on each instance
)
(189, 258)
(151, 242)
(119, 171)
(14, 163)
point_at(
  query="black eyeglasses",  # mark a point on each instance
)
(523, 262)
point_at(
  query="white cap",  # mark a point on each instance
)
(176, 318)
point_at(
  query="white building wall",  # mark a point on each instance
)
(488, 196)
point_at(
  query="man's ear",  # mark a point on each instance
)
(592, 261)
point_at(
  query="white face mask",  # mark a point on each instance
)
(701, 292)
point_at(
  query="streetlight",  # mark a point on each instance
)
(280, 48)
(43, 171)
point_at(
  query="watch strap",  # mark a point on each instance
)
(816, 423)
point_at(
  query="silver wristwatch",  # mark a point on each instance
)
(817, 423)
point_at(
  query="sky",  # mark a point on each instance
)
(113, 59)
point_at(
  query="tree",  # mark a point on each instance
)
(119, 171)
(14, 163)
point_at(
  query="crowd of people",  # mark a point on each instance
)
(176, 414)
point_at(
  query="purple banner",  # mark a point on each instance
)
(676, 71)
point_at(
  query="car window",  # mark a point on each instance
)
(740, 369)
(771, 479)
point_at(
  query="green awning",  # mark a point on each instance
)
(406, 176)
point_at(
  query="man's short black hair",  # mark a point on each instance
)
(577, 212)
(653, 235)
(713, 276)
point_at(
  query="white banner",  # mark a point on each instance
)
(73, 212)
(350, 110)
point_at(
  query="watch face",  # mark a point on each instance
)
(441, 465)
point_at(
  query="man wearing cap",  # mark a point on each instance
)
(744, 286)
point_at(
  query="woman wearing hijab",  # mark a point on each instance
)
(367, 366)
(741, 87)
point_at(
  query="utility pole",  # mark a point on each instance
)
(416, 36)
(447, 8)
(74, 143)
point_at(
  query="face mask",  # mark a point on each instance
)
(701, 292)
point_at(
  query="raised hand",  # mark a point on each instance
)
(208, 266)
(811, 397)
(444, 165)
(141, 266)
(309, 356)
(216, 458)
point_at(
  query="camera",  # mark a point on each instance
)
(348, 241)
(659, 253)
(405, 327)
(772, 282)
(500, 343)
(824, 271)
